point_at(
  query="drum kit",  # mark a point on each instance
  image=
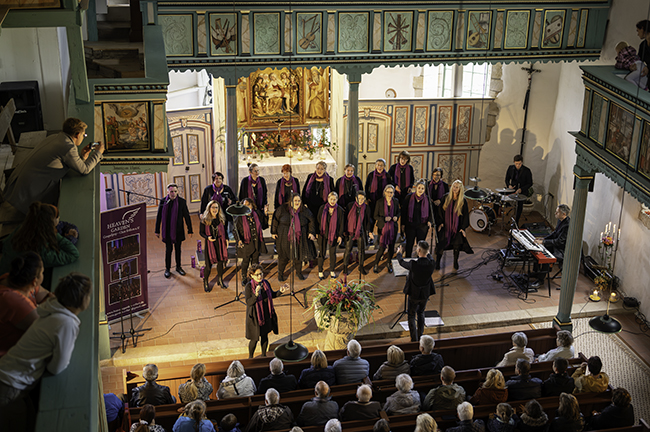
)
(483, 215)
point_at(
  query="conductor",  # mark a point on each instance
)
(419, 286)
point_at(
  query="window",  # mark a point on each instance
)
(439, 80)
(476, 80)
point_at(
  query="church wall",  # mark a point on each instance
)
(398, 78)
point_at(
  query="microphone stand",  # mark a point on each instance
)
(238, 295)
(128, 196)
(133, 334)
(293, 253)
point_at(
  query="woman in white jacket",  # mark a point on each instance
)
(236, 383)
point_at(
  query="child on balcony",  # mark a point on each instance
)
(627, 58)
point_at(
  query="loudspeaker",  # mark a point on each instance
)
(29, 114)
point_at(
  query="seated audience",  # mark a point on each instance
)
(492, 391)
(48, 342)
(405, 400)
(504, 420)
(320, 409)
(465, 414)
(428, 362)
(569, 418)
(236, 383)
(193, 419)
(395, 365)
(425, 423)
(362, 408)
(271, 416)
(627, 59)
(446, 396)
(619, 414)
(518, 351)
(523, 386)
(559, 381)
(533, 419)
(20, 293)
(597, 380)
(196, 388)
(351, 368)
(277, 379)
(296, 429)
(564, 348)
(151, 392)
(114, 411)
(229, 423)
(333, 426)
(381, 425)
(318, 371)
(147, 422)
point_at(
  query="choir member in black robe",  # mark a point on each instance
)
(359, 224)
(330, 225)
(387, 214)
(318, 186)
(437, 189)
(348, 186)
(286, 186)
(417, 216)
(452, 221)
(254, 187)
(213, 223)
(172, 211)
(219, 192)
(251, 239)
(402, 176)
(376, 182)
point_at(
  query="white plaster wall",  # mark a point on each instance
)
(186, 89)
(400, 79)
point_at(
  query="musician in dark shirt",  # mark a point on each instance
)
(555, 242)
(519, 178)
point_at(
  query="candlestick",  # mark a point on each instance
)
(245, 140)
(601, 236)
(619, 235)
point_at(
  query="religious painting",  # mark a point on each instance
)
(195, 188)
(125, 290)
(353, 31)
(143, 186)
(177, 145)
(478, 29)
(444, 125)
(598, 113)
(266, 33)
(373, 131)
(398, 31)
(464, 120)
(192, 149)
(517, 30)
(553, 28)
(126, 126)
(242, 100)
(644, 154)
(439, 30)
(180, 182)
(124, 269)
(276, 94)
(619, 132)
(309, 32)
(317, 87)
(420, 120)
(223, 34)
(125, 247)
(401, 124)
(177, 31)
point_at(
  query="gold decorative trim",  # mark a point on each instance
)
(598, 87)
(583, 178)
(570, 323)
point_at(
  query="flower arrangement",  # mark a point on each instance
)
(607, 241)
(602, 281)
(355, 298)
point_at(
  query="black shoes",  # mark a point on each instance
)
(538, 283)
(206, 286)
(167, 274)
(222, 283)
(180, 271)
(281, 277)
(375, 268)
(456, 264)
(300, 275)
(389, 266)
(362, 270)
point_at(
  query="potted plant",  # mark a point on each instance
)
(342, 308)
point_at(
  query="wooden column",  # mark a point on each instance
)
(231, 137)
(352, 154)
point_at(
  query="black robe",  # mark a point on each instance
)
(281, 225)
(340, 225)
(379, 217)
(287, 192)
(243, 191)
(367, 224)
(520, 179)
(410, 181)
(254, 244)
(417, 215)
(459, 241)
(433, 194)
(183, 215)
(214, 233)
(350, 190)
(228, 195)
(252, 323)
(314, 199)
(373, 197)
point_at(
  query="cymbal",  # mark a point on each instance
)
(518, 197)
(475, 193)
(238, 210)
(475, 179)
(505, 190)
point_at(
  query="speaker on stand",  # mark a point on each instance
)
(29, 113)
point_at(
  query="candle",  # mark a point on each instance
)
(601, 235)
(619, 235)
(614, 230)
(595, 292)
(245, 141)
(253, 136)
(605, 227)
(613, 296)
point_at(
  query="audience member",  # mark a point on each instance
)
(271, 416)
(627, 59)
(196, 388)
(38, 234)
(643, 32)
(533, 419)
(362, 408)
(446, 396)
(564, 347)
(333, 426)
(151, 392)
(320, 409)
(617, 415)
(48, 342)
(229, 423)
(20, 293)
(492, 391)
(523, 386)
(395, 365)
(425, 423)
(277, 379)
(405, 400)
(296, 429)
(381, 425)
(504, 420)
(147, 422)
(236, 383)
(427, 362)
(318, 371)
(465, 414)
(351, 368)
(193, 419)
(559, 381)
(597, 380)
(569, 418)
(518, 351)
(114, 407)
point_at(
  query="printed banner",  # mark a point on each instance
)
(124, 256)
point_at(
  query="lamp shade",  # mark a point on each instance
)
(291, 352)
(238, 210)
(605, 324)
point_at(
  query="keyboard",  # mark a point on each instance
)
(527, 240)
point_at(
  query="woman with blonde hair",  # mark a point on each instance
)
(236, 383)
(452, 220)
(425, 423)
(196, 388)
(569, 418)
(395, 365)
(492, 391)
(193, 419)
(318, 371)
(216, 243)
(387, 212)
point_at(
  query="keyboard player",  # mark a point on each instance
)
(554, 242)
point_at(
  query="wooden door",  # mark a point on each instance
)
(374, 136)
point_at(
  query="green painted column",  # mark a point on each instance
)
(571, 264)
(231, 136)
(352, 154)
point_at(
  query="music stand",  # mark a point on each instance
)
(236, 210)
(133, 334)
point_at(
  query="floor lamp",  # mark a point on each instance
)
(605, 323)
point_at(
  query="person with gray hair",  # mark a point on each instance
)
(465, 413)
(405, 400)
(151, 392)
(277, 380)
(351, 368)
(236, 383)
(564, 347)
(518, 351)
(361, 409)
(393, 366)
(333, 426)
(427, 362)
(555, 242)
(446, 396)
(271, 416)
(381, 425)
(320, 409)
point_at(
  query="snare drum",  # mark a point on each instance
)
(482, 218)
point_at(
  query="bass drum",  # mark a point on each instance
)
(482, 218)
